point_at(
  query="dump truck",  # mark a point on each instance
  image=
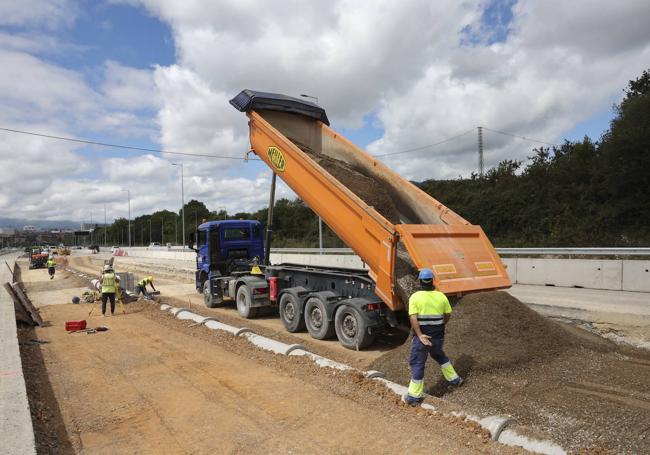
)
(37, 258)
(294, 139)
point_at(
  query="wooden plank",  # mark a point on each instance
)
(21, 314)
(13, 278)
(36, 316)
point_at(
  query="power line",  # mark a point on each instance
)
(519, 137)
(120, 146)
(429, 145)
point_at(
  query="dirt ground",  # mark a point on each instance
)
(555, 378)
(154, 384)
(184, 295)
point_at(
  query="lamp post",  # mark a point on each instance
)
(182, 200)
(128, 195)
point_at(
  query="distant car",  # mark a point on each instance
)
(154, 244)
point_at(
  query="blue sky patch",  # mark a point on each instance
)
(493, 27)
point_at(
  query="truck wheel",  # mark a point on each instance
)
(210, 300)
(245, 302)
(351, 328)
(318, 325)
(290, 313)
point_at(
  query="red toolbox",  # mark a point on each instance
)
(75, 325)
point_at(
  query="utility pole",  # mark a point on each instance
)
(150, 228)
(162, 230)
(182, 201)
(480, 151)
(105, 244)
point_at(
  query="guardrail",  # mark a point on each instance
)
(506, 251)
(575, 251)
(571, 251)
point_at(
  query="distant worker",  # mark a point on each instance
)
(142, 286)
(109, 281)
(429, 312)
(51, 264)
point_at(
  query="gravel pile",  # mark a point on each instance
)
(560, 380)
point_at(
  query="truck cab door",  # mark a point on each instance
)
(202, 250)
(215, 253)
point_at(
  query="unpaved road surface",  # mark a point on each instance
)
(153, 384)
(560, 381)
(180, 292)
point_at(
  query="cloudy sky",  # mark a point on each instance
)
(392, 76)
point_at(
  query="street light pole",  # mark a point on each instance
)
(105, 225)
(128, 195)
(182, 199)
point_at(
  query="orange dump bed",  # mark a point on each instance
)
(460, 254)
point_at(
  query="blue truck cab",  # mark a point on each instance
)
(224, 247)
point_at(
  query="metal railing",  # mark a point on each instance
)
(640, 251)
(606, 251)
(575, 251)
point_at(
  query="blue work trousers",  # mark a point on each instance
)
(420, 352)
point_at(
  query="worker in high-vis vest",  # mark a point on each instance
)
(429, 312)
(109, 282)
(142, 286)
(51, 264)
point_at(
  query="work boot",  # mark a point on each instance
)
(456, 382)
(103, 315)
(412, 401)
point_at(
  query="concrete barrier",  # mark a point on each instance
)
(16, 431)
(609, 274)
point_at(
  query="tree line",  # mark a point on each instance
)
(583, 193)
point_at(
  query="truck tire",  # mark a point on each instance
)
(210, 300)
(318, 325)
(351, 328)
(245, 302)
(291, 314)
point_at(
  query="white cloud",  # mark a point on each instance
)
(129, 88)
(405, 62)
(562, 63)
(51, 14)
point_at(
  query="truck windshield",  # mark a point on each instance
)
(236, 233)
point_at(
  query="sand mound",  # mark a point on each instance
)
(488, 330)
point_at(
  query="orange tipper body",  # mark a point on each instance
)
(459, 253)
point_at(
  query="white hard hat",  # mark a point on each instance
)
(107, 267)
